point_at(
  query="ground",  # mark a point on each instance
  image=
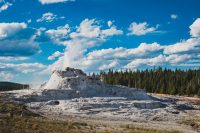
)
(18, 119)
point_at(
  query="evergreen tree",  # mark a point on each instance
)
(177, 82)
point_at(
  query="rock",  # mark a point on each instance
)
(74, 83)
(184, 107)
(53, 103)
(149, 105)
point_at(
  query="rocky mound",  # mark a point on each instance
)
(74, 83)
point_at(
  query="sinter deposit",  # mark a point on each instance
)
(73, 93)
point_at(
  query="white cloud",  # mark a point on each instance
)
(22, 68)
(174, 16)
(29, 21)
(112, 31)
(8, 29)
(147, 61)
(88, 29)
(11, 58)
(59, 34)
(87, 35)
(195, 28)
(6, 76)
(177, 58)
(158, 61)
(143, 50)
(49, 17)
(9, 71)
(111, 65)
(191, 45)
(90, 33)
(21, 47)
(54, 1)
(16, 39)
(140, 29)
(5, 6)
(109, 23)
(92, 29)
(55, 55)
(119, 57)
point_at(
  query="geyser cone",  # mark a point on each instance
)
(75, 83)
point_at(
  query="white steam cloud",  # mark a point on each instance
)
(87, 35)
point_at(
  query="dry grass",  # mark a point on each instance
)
(194, 123)
(16, 118)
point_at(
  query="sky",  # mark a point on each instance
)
(40, 36)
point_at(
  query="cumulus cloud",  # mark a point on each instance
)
(17, 39)
(112, 64)
(59, 35)
(109, 23)
(90, 34)
(54, 1)
(146, 55)
(186, 46)
(5, 6)
(21, 68)
(49, 17)
(29, 21)
(6, 76)
(158, 61)
(92, 29)
(140, 29)
(190, 45)
(11, 58)
(143, 50)
(8, 29)
(174, 16)
(55, 55)
(21, 47)
(111, 58)
(87, 35)
(119, 57)
(9, 71)
(195, 28)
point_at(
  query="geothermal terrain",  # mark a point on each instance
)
(72, 95)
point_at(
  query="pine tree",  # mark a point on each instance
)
(177, 82)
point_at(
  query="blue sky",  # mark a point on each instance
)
(39, 36)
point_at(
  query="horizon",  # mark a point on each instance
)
(39, 36)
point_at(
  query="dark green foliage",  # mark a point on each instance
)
(166, 81)
(8, 86)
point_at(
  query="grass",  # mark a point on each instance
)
(133, 129)
(15, 118)
(194, 123)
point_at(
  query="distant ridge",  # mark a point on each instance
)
(8, 86)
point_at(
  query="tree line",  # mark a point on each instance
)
(9, 86)
(166, 81)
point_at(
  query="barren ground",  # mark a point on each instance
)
(18, 118)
